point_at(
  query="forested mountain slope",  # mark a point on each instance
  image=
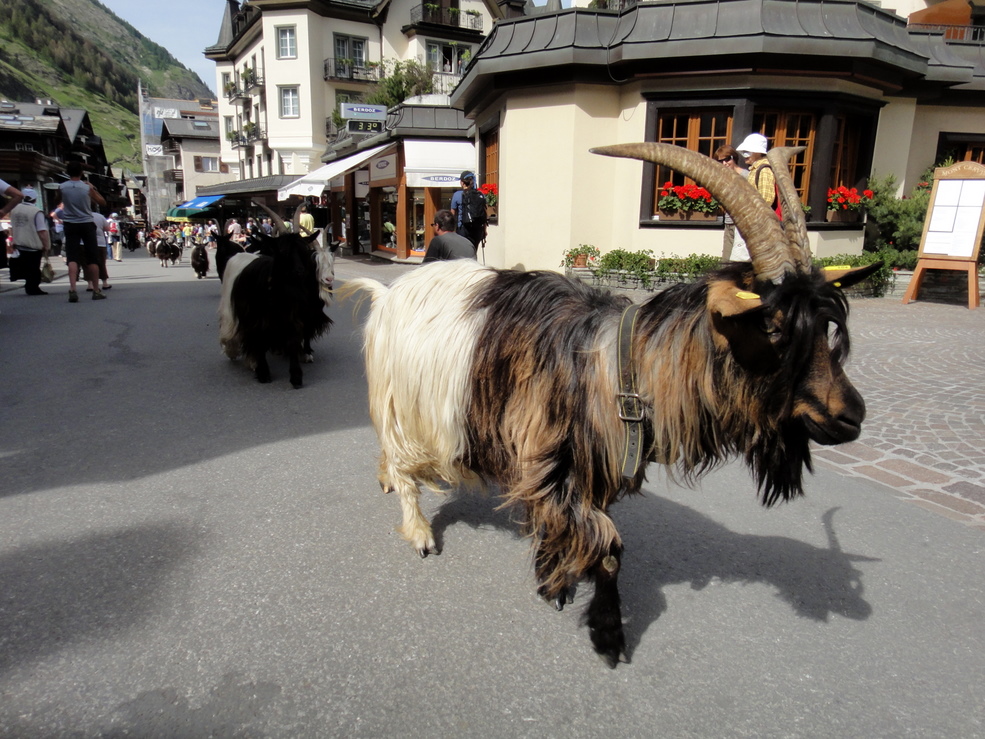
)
(80, 54)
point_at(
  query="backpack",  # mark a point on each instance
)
(112, 227)
(473, 208)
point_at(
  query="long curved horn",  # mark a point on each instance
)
(794, 223)
(296, 221)
(771, 256)
(278, 221)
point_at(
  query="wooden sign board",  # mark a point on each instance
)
(953, 228)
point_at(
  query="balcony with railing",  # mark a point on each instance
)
(351, 71)
(445, 82)
(251, 81)
(248, 136)
(234, 92)
(951, 33)
(438, 15)
(174, 175)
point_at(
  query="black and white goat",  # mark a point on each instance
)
(551, 388)
(274, 300)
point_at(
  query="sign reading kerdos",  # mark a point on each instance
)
(362, 111)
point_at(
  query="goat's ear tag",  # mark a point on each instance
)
(725, 300)
(845, 276)
(842, 267)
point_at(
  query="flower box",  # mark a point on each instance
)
(844, 216)
(687, 215)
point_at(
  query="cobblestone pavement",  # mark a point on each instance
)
(921, 370)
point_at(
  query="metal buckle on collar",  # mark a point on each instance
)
(630, 407)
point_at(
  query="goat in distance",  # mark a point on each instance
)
(274, 300)
(561, 393)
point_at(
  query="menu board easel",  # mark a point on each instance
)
(952, 230)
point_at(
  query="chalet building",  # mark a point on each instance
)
(181, 151)
(867, 90)
(864, 91)
(285, 67)
(38, 139)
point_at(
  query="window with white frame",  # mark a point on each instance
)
(206, 164)
(350, 50)
(290, 102)
(448, 58)
(287, 43)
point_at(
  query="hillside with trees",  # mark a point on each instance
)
(78, 53)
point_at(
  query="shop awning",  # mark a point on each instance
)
(202, 202)
(194, 208)
(437, 163)
(314, 182)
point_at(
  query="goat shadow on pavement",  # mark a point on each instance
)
(667, 543)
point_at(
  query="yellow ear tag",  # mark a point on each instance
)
(838, 266)
(743, 295)
(837, 284)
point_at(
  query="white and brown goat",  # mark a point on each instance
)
(518, 378)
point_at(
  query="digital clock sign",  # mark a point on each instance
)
(363, 126)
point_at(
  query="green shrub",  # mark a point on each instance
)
(638, 264)
(880, 281)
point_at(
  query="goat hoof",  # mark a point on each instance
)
(612, 659)
(297, 385)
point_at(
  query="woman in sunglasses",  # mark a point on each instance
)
(734, 247)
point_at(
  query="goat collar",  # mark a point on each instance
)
(631, 410)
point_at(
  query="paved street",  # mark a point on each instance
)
(187, 553)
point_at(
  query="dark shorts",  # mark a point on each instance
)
(80, 243)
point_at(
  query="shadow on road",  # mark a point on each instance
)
(667, 543)
(57, 593)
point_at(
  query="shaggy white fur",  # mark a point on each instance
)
(418, 360)
(228, 325)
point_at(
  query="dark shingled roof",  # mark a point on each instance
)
(183, 128)
(671, 36)
(245, 187)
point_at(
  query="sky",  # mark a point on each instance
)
(183, 27)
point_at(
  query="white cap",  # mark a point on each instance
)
(754, 143)
(112, 215)
(30, 194)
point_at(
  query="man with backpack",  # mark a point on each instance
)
(469, 206)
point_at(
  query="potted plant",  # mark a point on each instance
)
(846, 204)
(229, 88)
(686, 202)
(580, 256)
(491, 191)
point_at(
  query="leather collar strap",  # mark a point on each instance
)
(631, 410)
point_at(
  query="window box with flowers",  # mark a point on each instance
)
(687, 203)
(847, 204)
(491, 192)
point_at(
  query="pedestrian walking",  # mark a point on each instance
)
(29, 229)
(81, 248)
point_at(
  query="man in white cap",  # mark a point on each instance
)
(30, 232)
(753, 148)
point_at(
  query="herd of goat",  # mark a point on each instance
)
(560, 394)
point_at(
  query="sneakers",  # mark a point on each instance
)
(73, 297)
(98, 296)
